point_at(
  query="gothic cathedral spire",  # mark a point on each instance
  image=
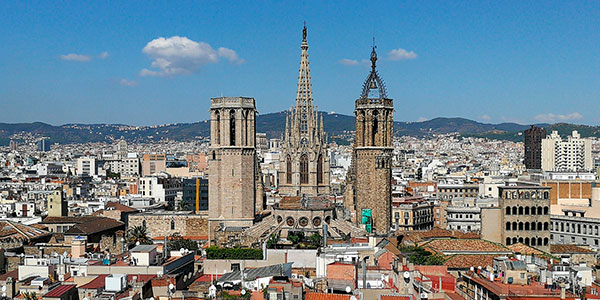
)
(305, 167)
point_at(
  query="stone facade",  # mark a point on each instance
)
(372, 165)
(304, 168)
(161, 224)
(525, 215)
(232, 163)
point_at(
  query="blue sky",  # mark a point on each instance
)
(105, 62)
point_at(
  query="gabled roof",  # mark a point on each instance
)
(60, 290)
(322, 296)
(96, 283)
(120, 207)
(12, 230)
(98, 224)
(565, 248)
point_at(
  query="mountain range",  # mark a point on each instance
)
(273, 125)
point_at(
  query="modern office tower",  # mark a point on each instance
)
(533, 147)
(573, 154)
(304, 168)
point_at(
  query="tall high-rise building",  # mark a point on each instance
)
(571, 155)
(232, 163)
(371, 196)
(304, 168)
(533, 147)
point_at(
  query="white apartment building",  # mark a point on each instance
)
(573, 154)
(162, 189)
(86, 166)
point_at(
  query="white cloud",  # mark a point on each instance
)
(551, 118)
(422, 119)
(230, 55)
(104, 55)
(179, 55)
(400, 54)
(354, 62)
(349, 62)
(485, 118)
(125, 82)
(76, 57)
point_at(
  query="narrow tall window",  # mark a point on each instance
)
(375, 128)
(320, 169)
(232, 127)
(288, 170)
(303, 169)
(218, 129)
(172, 224)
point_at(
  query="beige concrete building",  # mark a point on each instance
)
(304, 168)
(232, 164)
(369, 180)
(153, 163)
(525, 215)
(412, 213)
(57, 204)
(573, 154)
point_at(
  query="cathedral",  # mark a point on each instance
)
(304, 168)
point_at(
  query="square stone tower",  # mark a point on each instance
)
(232, 163)
(372, 167)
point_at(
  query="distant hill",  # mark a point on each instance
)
(273, 124)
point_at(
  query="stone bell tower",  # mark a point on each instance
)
(232, 163)
(372, 166)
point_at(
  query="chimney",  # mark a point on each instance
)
(165, 250)
(324, 235)
(563, 291)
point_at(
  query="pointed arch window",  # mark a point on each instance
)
(303, 169)
(320, 169)
(288, 170)
(232, 127)
(172, 224)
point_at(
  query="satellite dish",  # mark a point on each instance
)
(171, 286)
(4, 288)
(182, 250)
(406, 275)
(137, 243)
(348, 289)
(353, 298)
(86, 298)
(243, 292)
(423, 295)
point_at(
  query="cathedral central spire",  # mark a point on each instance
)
(305, 162)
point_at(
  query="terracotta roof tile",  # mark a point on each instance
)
(565, 248)
(464, 261)
(60, 290)
(323, 296)
(464, 245)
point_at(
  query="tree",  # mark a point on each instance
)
(30, 296)
(273, 240)
(177, 242)
(295, 237)
(316, 240)
(138, 234)
(182, 205)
